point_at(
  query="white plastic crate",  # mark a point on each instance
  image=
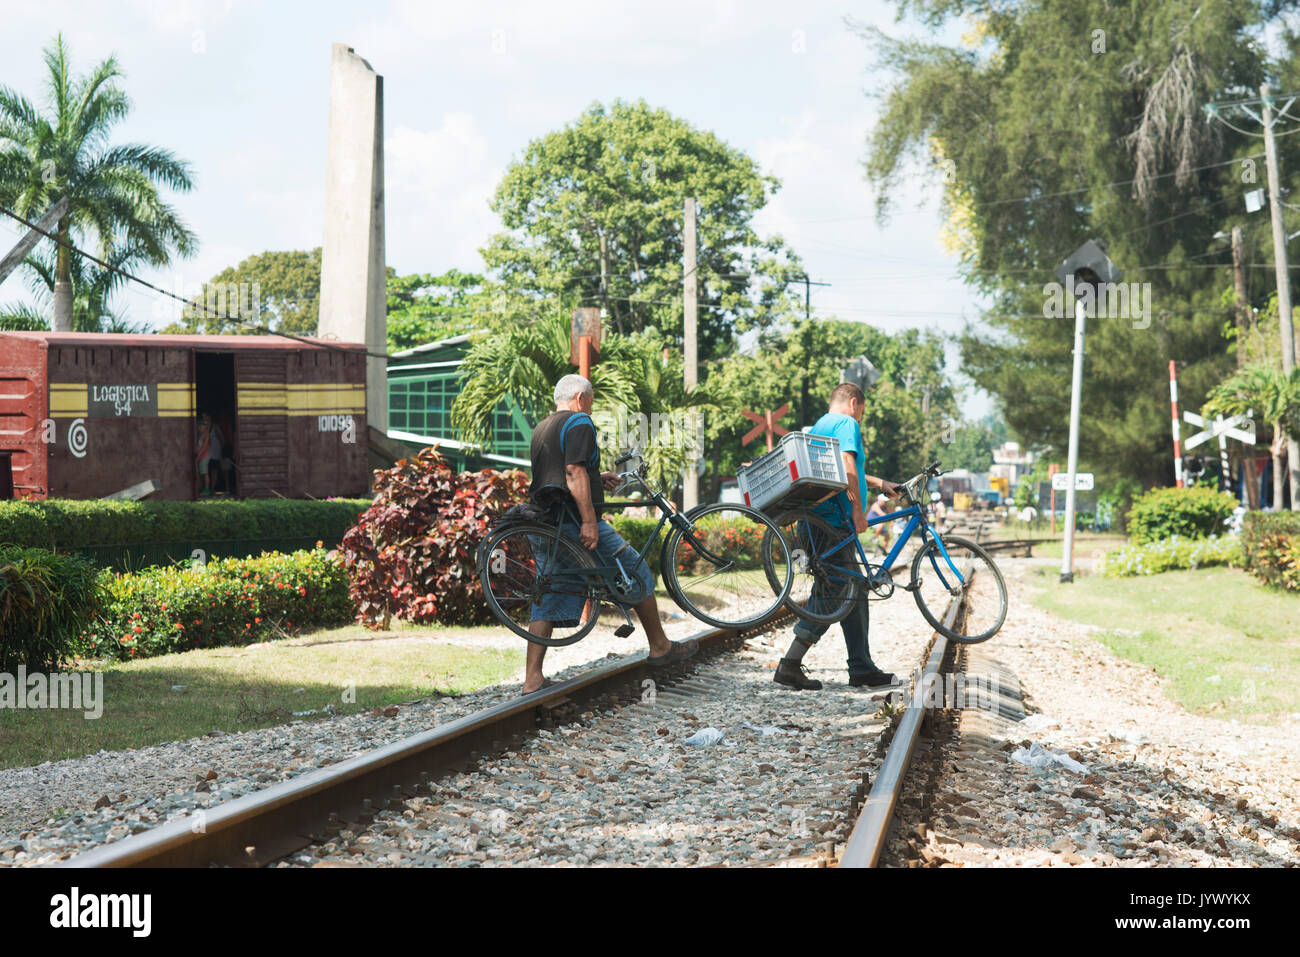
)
(803, 470)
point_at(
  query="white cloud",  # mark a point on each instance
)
(438, 183)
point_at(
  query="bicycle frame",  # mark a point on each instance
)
(610, 574)
(915, 515)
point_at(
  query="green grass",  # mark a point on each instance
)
(1191, 626)
(235, 689)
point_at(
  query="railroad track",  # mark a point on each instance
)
(381, 787)
(263, 827)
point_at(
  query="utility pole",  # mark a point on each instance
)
(604, 282)
(805, 337)
(1247, 457)
(1283, 280)
(1239, 285)
(1266, 119)
(690, 305)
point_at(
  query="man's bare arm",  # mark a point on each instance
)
(580, 488)
(855, 499)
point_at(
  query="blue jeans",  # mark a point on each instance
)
(858, 622)
(563, 606)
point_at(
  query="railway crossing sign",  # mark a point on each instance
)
(766, 423)
(1082, 481)
(1239, 427)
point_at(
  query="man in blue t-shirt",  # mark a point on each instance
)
(842, 423)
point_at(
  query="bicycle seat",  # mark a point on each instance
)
(556, 499)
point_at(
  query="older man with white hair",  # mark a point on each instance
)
(565, 454)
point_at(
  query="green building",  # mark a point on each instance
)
(422, 385)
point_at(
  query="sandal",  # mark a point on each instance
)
(681, 650)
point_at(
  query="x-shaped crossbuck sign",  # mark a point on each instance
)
(766, 424)
(1239, 427)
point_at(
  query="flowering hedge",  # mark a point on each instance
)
(735, 539)
(1170, 554)
(230, 601)
(1272, 544)
(412, 553)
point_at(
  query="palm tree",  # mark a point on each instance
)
(112, 190)
(1267, 391)
(92, 287)
(630, 379)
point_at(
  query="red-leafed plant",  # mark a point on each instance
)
(411, 554)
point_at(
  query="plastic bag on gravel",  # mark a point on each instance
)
(1036, 722)
(766, 732)
(1037, 756)
(705, 737)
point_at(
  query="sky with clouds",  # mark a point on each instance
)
(240, 89)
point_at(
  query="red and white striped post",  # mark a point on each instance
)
(1178, 450)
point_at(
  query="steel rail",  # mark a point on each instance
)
(867, 840)
(267, 825)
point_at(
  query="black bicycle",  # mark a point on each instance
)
(727, 565)
(828, 563)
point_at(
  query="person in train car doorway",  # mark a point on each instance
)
(565, 454)
(207, 452)
(225, 426)
(842, 423)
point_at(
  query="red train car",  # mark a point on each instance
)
(85, 415)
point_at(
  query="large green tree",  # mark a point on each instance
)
(594, 212)
(1063, 120)
(425, 308)
(65, 151)
(278, 289)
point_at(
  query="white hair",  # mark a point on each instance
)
(570, 386)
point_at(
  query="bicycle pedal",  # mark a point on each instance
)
(624, 630)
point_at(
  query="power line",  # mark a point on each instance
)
(171, 295)
(1064, 192)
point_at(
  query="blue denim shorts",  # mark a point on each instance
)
(565, 610)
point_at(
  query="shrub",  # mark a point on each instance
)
(72, 525)
(734, 539)
(637, 531)
(46, 601)
(1170, 554)
(412, 553)
(1186, 512)
(1271, 542)
(230, 601)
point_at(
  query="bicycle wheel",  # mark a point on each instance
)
(935, 585)
(715, 571)
(818, 592)
(527, 565)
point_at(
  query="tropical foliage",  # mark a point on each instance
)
(46, 600)
(116, 206)
(412, 554)
(1057, 121)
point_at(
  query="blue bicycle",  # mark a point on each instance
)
(827, 564)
